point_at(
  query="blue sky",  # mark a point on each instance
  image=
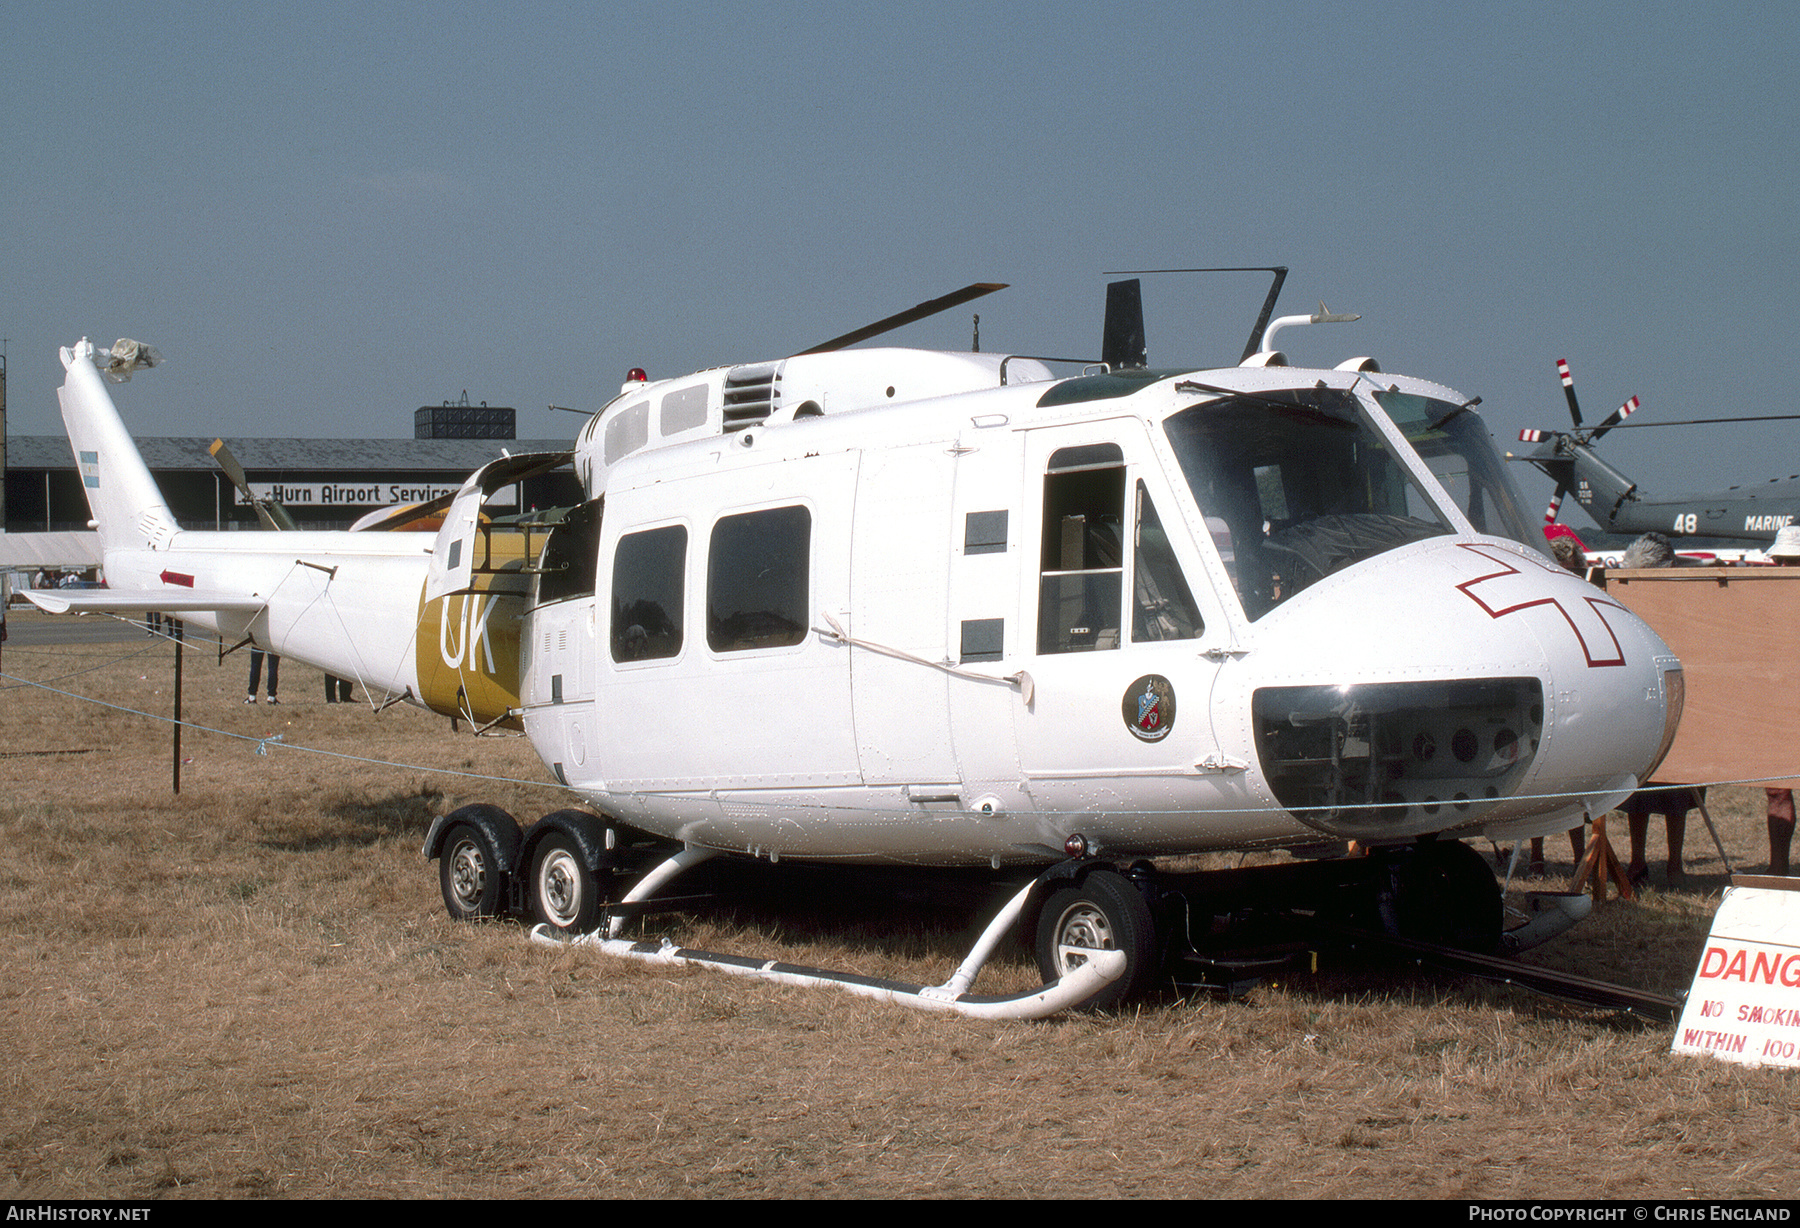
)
(326, 215)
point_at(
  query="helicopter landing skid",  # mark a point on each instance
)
(1060, 995)
(1100, 968)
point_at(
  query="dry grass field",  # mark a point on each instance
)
(252, 990)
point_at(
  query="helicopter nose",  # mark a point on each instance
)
(1481, 689)
(1613, 690)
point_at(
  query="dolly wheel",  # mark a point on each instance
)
(1104, 911)
(564, 891)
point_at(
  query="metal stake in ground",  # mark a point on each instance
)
(176, 764)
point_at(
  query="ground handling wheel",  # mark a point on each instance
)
(565, 893)
(469, 874)
(1444, 892)
(1105, 910)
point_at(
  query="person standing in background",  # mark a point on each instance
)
(256, 669)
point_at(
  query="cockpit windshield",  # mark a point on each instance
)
(1456, 447)
(1296, 484)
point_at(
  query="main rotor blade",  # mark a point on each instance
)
(1551, 512)
(1279, 272)
(274, 516)
(1122, 336)
(408, 513)
(1268, 309)
(1568, 383)
(910, 315)
(1644, 426)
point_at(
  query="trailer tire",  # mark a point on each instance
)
(565, 894)
(1104, 910)
(469, 874)
(1446, 893)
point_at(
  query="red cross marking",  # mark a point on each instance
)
(1508, 589)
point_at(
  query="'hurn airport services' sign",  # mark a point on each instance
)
(352, 494)
(1744, 1005)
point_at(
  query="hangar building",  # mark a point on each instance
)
(323, 483)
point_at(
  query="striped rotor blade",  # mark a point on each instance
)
(1551, 512)
(1534, 436)
(1568, 383)
(1617, 416)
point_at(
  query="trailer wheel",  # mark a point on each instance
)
(565, 893)
(468, 873)
(1105, 911)
(1446, 893)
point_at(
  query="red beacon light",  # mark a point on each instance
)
(637, 375)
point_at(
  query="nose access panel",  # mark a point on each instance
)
(1394, 758)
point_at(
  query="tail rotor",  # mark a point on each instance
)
(1555, 459)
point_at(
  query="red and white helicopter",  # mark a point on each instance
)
(899, 606)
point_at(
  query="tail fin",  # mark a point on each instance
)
(1600, 488)
(127, 506)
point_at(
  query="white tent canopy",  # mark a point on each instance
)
(25, 551)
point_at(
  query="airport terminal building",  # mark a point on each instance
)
(323, 483)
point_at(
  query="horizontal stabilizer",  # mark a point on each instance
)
(140, 601)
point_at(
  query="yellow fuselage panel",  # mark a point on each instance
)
(467, 648)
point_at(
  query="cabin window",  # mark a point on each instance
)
(627, 431)
(648, 583)
(1162, 605)
(684, 409)
(1081, 585)
(757, 578)
(571, 556)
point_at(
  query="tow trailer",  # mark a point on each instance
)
(1104, 933)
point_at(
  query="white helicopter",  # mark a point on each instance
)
(897, 606)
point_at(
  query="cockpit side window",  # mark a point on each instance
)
(1162, 605)
(1081, 583)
